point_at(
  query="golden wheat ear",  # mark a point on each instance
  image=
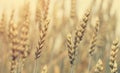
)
(43, 27)
(42, 30)
(113, 55)
(24, 32)
(45, 69)
(24, 37)
(38, 12)
(80, 30)
(2, 23)
(73, 8)
(13, 40)
(94, 38)
(71, 51)
(14, 48)
(99, 67)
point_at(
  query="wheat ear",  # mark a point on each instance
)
(45, 69)
(24, 33)
(93, 42)
(24, 37)
(94, 39)
(38, 12)
(99, 67)
(42, 33)
(71, 51)
(79, 33)
(73, 8)
(2, 23)
(113, 55)
(14, 45)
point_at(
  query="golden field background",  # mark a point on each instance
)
(81, 5)
(55, 55)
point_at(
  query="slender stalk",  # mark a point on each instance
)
(35, 66)
(89, 63)
(20, 65)
(72, 69)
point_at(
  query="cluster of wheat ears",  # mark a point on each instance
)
(18, 37)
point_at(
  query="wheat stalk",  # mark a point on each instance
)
(113, 55)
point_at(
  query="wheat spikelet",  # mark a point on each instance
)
(113, 55)
(2, 23)
(99, 67)
(71, 51)
(73, 8)
(45, 69)
(94, 39)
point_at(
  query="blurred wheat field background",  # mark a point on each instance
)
(59, 36)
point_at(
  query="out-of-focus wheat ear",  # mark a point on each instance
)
(38, 12)
(2, 23)
(94, 39)
(113, 55)
(99, 67)
(71, 51)
(24, 33)
(14, 47)
(24, 37)
(73, 9)
(86, 16)
(13, 39)
(47, 7)
(45, 18)
(10, 24)
(45, 69)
